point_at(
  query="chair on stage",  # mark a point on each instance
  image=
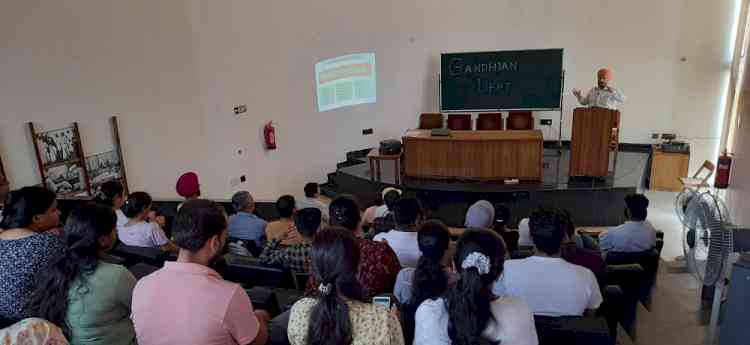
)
(430, 120)
(459, 122)
(520, 120)
(490, 122)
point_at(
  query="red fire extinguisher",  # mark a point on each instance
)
(270, 135)
(722, 170)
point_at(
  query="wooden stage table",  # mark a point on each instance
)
(476, 155)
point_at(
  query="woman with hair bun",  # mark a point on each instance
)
(112, 194)
(85, 296)
(469, 313)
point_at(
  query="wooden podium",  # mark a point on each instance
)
(595, 134)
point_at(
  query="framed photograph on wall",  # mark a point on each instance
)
(65, 179)
(59, 154)
(3, 177)
(104, 167)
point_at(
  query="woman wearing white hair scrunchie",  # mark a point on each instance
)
(469, 309)
(477, 260)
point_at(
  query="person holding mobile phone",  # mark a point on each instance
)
(339, 313)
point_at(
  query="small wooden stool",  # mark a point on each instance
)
(375, 158)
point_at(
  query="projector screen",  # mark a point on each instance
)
(346, 80)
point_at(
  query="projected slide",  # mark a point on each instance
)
(346, 80)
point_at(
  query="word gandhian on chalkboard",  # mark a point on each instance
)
(486, 86)
(527, 79)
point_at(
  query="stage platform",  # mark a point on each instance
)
(592, 202)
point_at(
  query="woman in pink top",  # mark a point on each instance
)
(139, 232)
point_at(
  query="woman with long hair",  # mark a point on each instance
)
(86, 297)
(141, 229)
(469, 312)
(339, 315)
(25, 248)
(112, 193)
(378, 266)
(430, 278)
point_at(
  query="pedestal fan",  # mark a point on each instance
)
(708, 239)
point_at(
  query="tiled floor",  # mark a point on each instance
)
(675, 314)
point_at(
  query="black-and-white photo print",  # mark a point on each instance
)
(65, 179)
(57, 145)
(103, 167)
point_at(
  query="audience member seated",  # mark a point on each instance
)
(469, 312)
(480, 215)
(575, 254)
(112, 194)
(186, 302)
(403, 238)
(87, 297)
(25, 248)
(524, 235)
(297, 256)
(636, 235)
(245, 225)
(390, 196)
(142, 228)
(502, 219)
(312, 200)
(430, 279)
(369, 216)
(550, 285)
(32, 331)
(340, 313)
(284, 227)
(378, 265)
(188, 187)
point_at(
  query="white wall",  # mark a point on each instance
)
(173, 69)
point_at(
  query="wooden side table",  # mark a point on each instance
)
(375, 158)
(667, 169)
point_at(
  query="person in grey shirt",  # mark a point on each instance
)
(312, 200)
(245, 225)
(636, 234)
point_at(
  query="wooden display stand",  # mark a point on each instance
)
(595, 135)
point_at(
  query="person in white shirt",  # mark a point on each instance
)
(403, 239)
(390, 196)
(368, 217)
(312, 200)
(603, 95)
(550, 285)
(112, 194)
(524, 234)
(142, 228)
(636, 235)
(430, 279)
(434, 240)
(469, 309)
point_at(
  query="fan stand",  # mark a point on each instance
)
(713, 324)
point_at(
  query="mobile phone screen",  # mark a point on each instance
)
(384, 301)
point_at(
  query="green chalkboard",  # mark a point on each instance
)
(501, 80)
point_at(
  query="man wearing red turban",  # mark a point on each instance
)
(188, 187)
(603, 95)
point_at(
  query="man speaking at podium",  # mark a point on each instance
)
(603, 96)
